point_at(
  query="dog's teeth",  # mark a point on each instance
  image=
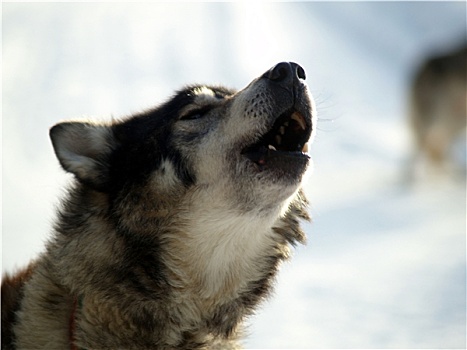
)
(282, 130)
(299, 119)
(271, 147)
(278, 139)
(305, 148)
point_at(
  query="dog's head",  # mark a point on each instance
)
(251, 145)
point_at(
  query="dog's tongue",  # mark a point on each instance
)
(259, 156)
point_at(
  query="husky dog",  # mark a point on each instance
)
(439, 107)
(175, 225)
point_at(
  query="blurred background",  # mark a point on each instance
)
(385, 264)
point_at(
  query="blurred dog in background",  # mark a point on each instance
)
(437, 116)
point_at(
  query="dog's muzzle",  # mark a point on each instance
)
(284, 147)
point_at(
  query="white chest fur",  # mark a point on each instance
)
(224, 249)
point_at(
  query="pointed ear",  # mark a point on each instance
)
(84, 149)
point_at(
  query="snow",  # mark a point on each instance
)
(385, 264)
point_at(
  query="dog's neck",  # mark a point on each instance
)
(227, 249)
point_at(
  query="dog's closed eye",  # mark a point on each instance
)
(196, 113)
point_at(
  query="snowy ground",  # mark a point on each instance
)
(385, 263)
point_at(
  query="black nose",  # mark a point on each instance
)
(285, 72)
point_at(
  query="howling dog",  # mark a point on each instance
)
(175, 225)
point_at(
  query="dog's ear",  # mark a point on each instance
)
(84, 149)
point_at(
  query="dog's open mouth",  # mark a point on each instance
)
(287, 139)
